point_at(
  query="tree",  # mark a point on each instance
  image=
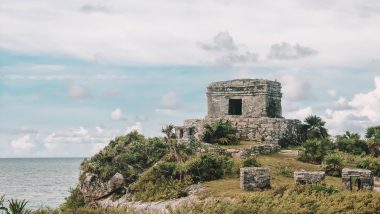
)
(373, 140)
(314, 128)
(351, 143)
(171, 141)
(14, 206)
(220, 132)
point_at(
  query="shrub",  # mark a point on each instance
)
(74, 201)
(251, 162)
(161, 182)
(220, 132)
(370, 163)
(208, 167)
(300, 199)
(351, 143)
(333, 165)
(129, 155)
(285, 172)
(315, 150)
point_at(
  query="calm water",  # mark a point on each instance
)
(41, 181)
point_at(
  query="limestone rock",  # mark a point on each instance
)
(254, 178)
(93, 188)
(305, 177)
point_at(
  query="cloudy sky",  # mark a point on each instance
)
(76, 73)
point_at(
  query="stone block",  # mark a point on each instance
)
(254, 178)
(305, 177)
(357, 179)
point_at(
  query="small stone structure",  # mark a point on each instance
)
(252, 105)
(261, 149)
(254, 178)
(307, 177)
(357, 179)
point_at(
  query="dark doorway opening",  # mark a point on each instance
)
(235, 107)
(181, 133)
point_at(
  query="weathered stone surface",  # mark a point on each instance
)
(305, 177)
(260, 120)
(93, 188)
(254, 178)
(360, 178)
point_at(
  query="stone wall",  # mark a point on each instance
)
(261, 118)
(264, 130)
(254, 178)
(260, 98)
(304, 177)
(357, 178)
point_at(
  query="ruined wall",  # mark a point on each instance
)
(261, 115)
(361, 178)
(260, 98)
(304, 177)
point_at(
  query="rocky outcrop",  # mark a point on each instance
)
(94, 189)
(152, 207)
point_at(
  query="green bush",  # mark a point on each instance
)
(220, 132)
(251, 162)
(333, 165)
(351, 143)
(74, 201)
(161, 182)
(129, 155)
(208, 167)
(370, 163)
(315, 150)
(300, 199)
(285, 172)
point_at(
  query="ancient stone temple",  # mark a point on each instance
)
(252, 105)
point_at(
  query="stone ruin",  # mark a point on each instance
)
(357, 179)
(254, 178)
(252, 105)
(307, 177)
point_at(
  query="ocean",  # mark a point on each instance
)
(40, 181)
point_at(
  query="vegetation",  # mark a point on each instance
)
(315, 150)
(285, 199)
(129, 155)
(313, 128)
(333, 165)
(220, 132)
(14, 206)
(251, 162)
(370, 163)
(351, 143)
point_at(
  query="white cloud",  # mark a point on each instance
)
(77, 91)
(356, 114)
(286, 51)
(24, 143)
(331, 92)
(227, 52)
(135, 127)
(81, 131)
(165, 32)
(295, 87)
(300, 114)
(170, 101)
(117, 114)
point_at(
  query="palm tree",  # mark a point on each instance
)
(14, 206)
(220, 132)
(313, 128)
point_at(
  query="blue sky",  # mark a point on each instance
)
(75, 74)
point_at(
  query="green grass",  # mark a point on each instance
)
(230, 187)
